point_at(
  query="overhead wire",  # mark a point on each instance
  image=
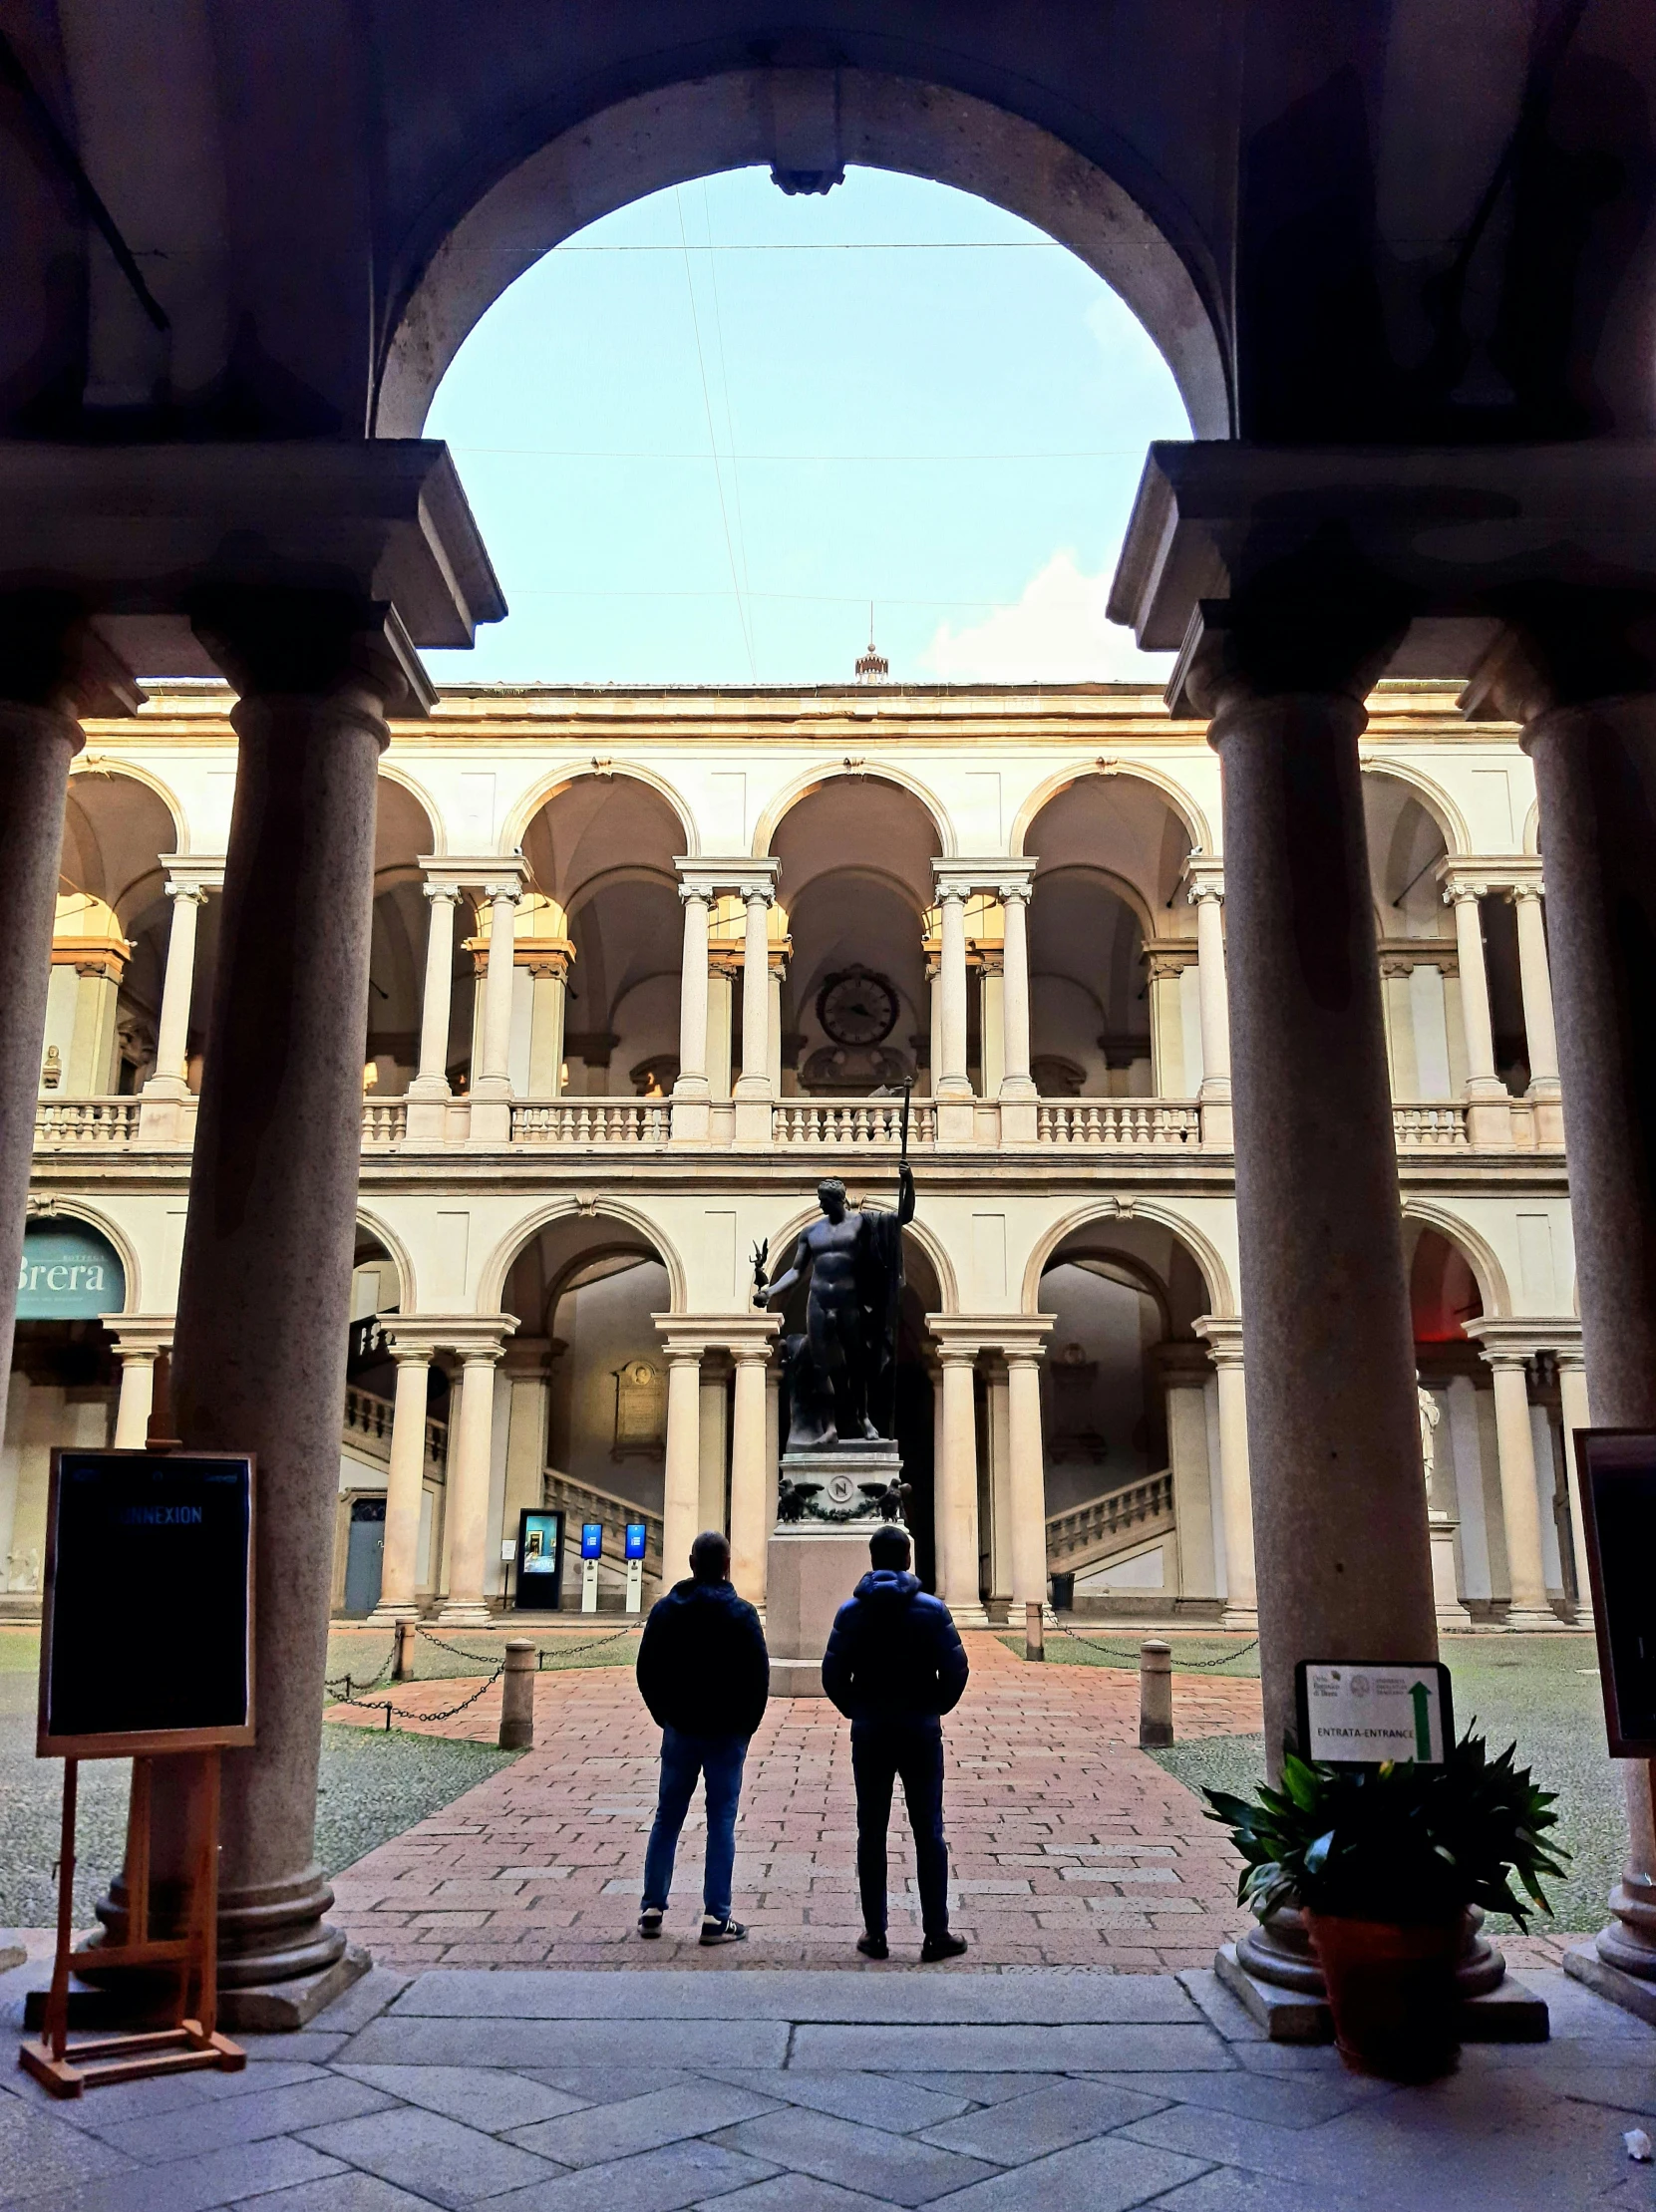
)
(724, 381)
(713, 441)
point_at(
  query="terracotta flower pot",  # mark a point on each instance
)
(1391, 1990)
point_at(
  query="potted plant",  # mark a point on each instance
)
(1385, 1864)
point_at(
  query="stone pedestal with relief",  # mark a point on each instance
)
(819, 1552)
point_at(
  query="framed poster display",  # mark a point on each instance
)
(1617, 1490)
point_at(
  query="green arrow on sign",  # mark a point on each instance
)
(1421, 1698)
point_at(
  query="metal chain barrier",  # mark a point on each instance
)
(385, 1706)
(559, 1654)
(1131, 1655)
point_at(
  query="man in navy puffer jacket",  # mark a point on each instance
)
(895, 1664)
(704, 1673)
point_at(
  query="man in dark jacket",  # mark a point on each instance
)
(895, 1663)
(704, 1675)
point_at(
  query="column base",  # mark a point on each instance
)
(956, 1121)
(491, 1122)
(1507, 2012)
(691, 1120)
(279, 2007)
(466, 1616)
(1634, 1993)
(1524, 1622)
(753, 1118)
(1240, 1620)
(427, 1121)
(388, 1616)
(1018, 1117)
(970, 1616)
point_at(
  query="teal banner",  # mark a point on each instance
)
(68, 1273)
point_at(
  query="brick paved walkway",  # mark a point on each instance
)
(1069, 1846)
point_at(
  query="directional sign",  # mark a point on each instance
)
(1358, 1713)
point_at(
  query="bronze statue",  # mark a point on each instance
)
(842, 1371)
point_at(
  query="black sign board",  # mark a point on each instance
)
(1617, 1468)
(147, 1626)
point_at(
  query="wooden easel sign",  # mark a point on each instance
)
(146, 1653)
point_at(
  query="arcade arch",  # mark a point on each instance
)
(1114, 988)
(1131, 1422)
(856, 887)
(111, 936)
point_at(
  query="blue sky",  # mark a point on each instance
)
(914, 398)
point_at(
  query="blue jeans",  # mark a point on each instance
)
(881, 1750)
(683, 1758)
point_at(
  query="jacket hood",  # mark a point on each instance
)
(692, 1592)
(887, 1586)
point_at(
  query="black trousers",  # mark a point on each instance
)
(881, 1750)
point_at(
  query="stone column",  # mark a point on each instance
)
(991, 1028)
(712, 1440)
(956, 1499)
(1017, 1084)
(751, 1090)
(469, 1484)
(776, 973)
(492, 1089)
(998, 1439)
(1489, 1105)
(1182, 1370)
(950, 1082)
(132, 1412)
(750, 1487)
(405, 1483)
(264, 1288)
(39, 737)
(690, 1091)
(1332, 1416)
(1029, 1481)
(549, 1000)
(173, 1029)
(1535, 983)
(432, 1081)
(1520, 1509)
(680, 1480)
(1583, 679)
(934, 1017)
(1225, 1340)
(1573, 1406)
(1207, 897)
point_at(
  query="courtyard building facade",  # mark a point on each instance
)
(648, 965)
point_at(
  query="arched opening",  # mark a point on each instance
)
(1459, 1437)
(789, 120)
(63, 1387)
(596, 1010)
(1419, 970)
(856, 887)
(580, 1397)
(1129, 1426)
(365, 1440)
(403, 835)
(1114, 1004)
(110, 941)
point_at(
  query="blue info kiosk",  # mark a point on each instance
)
(636, 1535)
(592, 1550)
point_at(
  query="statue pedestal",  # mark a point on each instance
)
(813, 1565)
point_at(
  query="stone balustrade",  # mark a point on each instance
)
(368, 1424)
(1090, 1532)
(582, 1501)
(827, 1124)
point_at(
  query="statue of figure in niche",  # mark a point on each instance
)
(842, 1371)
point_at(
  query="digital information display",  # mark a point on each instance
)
(636, 1533)
(1360, 1712)
(1617, 1468)
(592, 1540)
(539, 1561)
(146, 1641)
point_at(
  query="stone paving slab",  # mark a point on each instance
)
(803, 2114)
(912, 1999)
(1069, 1846)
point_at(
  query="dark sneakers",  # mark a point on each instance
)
(944, 1946)
(649, 1921)
(874, 1946)
(721, 1931)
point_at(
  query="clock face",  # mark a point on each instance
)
(858, 1008)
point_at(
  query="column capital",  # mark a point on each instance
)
(411, 1339)
(1514, 1342)
(139, 1336)
(508, 889)
(742, 875)
(280, 640)
(447, 874)
(191, 890)
(1204, 878)
(999, 875)
(1223, 1334)
(467, 1336)
(742, 1336)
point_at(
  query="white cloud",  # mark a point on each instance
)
(1058, 633)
